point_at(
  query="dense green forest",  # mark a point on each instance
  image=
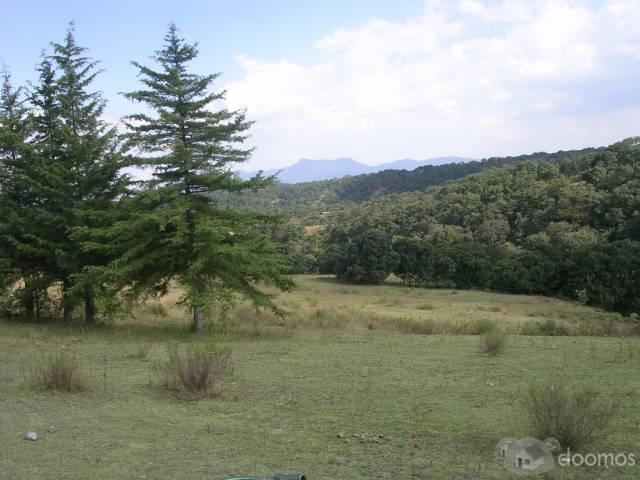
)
(307, 199)
(567, 226)
(564, 224)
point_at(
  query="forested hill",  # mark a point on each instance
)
(366, 187)
(311, 198)
(599, 189)
(565, 225)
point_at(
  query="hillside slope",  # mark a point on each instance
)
(564, 226)
(309, 199)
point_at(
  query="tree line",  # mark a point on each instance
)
(396, 199)
(77, 232)
(569, 228)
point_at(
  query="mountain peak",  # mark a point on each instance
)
(309, 170)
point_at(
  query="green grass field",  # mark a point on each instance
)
(345, 361)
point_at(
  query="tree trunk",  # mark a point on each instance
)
(89, 306)
(29, 305)
(198, 319)
(67, 307)
(36, 297)
(27, 298)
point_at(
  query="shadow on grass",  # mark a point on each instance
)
(154, 332)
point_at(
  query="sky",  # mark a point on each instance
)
(374, 80)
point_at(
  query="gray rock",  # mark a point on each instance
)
(31, 436)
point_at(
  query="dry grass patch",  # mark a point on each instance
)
(196, 371)
(493, 343)
(578, 419)
(59, 372)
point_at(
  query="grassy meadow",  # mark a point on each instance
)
(356, 382)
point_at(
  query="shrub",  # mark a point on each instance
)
(577, 418)
(196, 371)
(493, 342)
(549, 327)
(414, 326)
(612, 317)
(486, 326)
(471, 327)
(591, 328)
(582, 296)
(60, 372)
(627, 329)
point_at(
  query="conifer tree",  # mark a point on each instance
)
(89, 179)
(70, 179)
(178, 233)
(15, 265)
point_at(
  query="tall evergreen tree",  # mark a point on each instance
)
(90, 171)
(27, 264)
(179, 233)
(14, 265)
(68, 181)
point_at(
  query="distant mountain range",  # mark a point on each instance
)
(306, 170)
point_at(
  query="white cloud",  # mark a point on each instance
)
(471, 79)
(473, 7)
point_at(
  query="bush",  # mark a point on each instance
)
(60, 372)
(549, 327)
(577, 418)
(196, 371)
(415, 326)
(493, 342)
(486, 326)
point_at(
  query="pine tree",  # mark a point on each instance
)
(27, 263)
(90, 171)
(178, 233)
(68, 182)
(15, 266)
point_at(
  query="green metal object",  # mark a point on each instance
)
(278, 476)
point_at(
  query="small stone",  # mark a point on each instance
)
(52, 429)
(31, 436)
(340, 435)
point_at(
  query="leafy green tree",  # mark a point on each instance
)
(176, 232)
(327, 259)
(609, 274)
(409, 251)
(492, 232)
(367, 257)
(474, 264)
